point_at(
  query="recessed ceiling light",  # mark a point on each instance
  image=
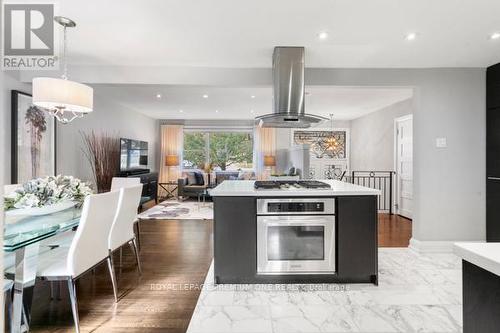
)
(411, 36)
(323, 35)
(495, 35)
(158, 96)
(216, 111)
(253, 96)
(205, 96)
(181, 111)
(251, 111)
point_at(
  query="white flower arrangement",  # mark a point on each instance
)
(46, 191)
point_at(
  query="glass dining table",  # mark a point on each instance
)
(22, 237)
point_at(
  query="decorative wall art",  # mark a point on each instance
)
(33, 140)
(321, 143)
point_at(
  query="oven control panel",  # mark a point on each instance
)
(305, 206)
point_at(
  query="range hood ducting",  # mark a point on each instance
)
(289, 94)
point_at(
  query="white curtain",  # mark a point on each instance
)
(264, 145)
(171, 144)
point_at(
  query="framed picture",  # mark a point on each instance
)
(33, 140)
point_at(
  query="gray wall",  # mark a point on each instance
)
(372, 138)
(108, 116)
(449, 184)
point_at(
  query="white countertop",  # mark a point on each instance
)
(484, 255)
(244, 188)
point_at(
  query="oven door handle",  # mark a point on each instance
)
(298, 219)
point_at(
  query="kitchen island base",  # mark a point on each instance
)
(235, 242)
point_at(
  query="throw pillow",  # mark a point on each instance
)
(199, 178)
(191, 178)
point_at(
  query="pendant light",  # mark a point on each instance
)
(64, 99)
(331, 142)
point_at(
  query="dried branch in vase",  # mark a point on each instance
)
(103, 153)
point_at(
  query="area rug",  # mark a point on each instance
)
(179, 210)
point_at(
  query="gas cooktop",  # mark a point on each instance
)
(289, 184)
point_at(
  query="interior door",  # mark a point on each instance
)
(404, 166)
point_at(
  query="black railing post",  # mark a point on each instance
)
(352, 177)
(390, 193)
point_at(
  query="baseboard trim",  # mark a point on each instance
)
(431, 246)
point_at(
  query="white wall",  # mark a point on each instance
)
(372, 137)
(108, 116)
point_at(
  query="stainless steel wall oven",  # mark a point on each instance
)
(296, 236)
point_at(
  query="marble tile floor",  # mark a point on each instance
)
(416, 293)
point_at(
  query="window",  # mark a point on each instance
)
(224, 150)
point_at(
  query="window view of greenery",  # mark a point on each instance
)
(224, 151)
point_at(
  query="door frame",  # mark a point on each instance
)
(397, 197)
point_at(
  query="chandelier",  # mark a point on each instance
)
(332, 143)
(64, 99)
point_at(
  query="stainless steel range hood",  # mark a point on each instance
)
(289, 95)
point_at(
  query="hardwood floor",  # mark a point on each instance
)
(393, 230)
(175, 258)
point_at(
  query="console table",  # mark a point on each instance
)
(170, 188)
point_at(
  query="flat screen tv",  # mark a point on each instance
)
(134, 154)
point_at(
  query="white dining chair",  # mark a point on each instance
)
(64, 239)
(88, 249)
(121, 182)
(122, 230)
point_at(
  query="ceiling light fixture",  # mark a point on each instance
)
(205, 96)
(411, 36)
(323, 35)
(251, 111)
(64, 99)
(495, 35)
(331, 142)
(181, 111)
(216, 111)
(253, 96)
(158, 96)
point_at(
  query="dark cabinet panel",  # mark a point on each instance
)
(493, 210)
(357, 237)
(493, 153)
(149, 184)
(493, 87)
(235, 239)
(493, 142)
(481, 300)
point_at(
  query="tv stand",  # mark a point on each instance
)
(149, 181)
(133, 172)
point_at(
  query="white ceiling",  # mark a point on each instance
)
(345, 103)
(231, 33)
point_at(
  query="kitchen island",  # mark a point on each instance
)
(306, 232)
